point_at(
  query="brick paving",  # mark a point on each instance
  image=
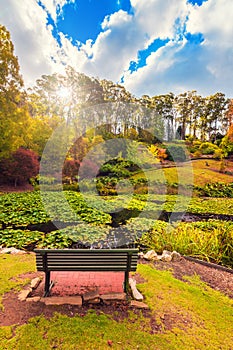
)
(79, 282)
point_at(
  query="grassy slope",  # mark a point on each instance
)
(201, 173)
(199, 318)
(209, 174)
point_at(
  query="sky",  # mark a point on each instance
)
(151, 47)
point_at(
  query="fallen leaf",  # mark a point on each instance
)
(110, 342)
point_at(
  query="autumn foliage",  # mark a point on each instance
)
(230, 133)
(20, 167)
(70, 170)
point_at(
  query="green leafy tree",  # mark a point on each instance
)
(38, 133)
(13, 109)
(184, 103)
(227, 142)
(217, 106)
(164, 105)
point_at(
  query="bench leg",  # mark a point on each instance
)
(47, 283)
(126, 283)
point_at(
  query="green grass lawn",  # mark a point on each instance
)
(196, 318)
(209, 174)
(198, 169)
(11, 266)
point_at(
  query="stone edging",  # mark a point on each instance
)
(88, 298)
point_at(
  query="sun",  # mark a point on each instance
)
(63, 92)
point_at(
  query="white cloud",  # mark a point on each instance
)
(150, 79)
(108, 57)
(124, 35)
(214, 20)
(33, 40)
(177, 66)
(207, 67)
(72, 56)
(156, 18)
(115, 47)
(54, 7)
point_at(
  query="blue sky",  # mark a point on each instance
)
(82, 20)
(152, 46)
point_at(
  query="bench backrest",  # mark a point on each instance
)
(86, 259)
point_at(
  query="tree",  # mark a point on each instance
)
(20, 167)
(184, 108)
(227, 142)
(197, 112)
(229, 112)
(63, 96)
(115, 92)
(70, 170)
(13, 111)
(38, 133)
(10, 80)
(164, 105)
(217, 105)
(230, 133)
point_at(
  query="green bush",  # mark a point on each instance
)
(218, 154)
(71, 187)
(118, 167)
(217, 190)
(194, 146)
(197, 154)
(208, 148)
(176, 153)
(227, 146)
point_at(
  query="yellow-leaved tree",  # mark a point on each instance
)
(13, 109)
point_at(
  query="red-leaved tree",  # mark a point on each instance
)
(70, 170)
(20, 167)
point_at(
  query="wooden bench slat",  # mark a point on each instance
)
(89, 260)
(86, 251)
(88, 257)
(90, 267)
(53, 267)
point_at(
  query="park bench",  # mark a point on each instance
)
(48, 260)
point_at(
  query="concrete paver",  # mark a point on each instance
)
(77, 300)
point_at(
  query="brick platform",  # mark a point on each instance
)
(73, 283)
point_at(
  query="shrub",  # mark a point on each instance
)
(227, 146)
(71, 187)
(207, 148)
(176, 153)
(216, 190)
(197, 154)
(218, 154)
(116, 168)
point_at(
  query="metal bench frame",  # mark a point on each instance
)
(48, 260)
